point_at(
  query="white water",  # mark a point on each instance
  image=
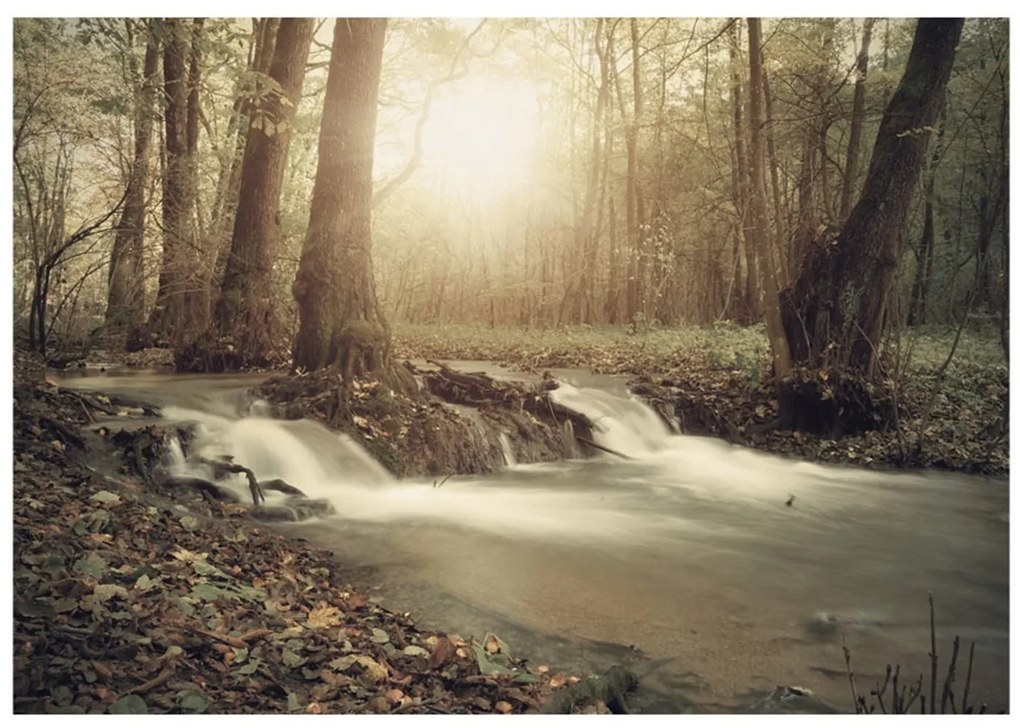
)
(688, 550)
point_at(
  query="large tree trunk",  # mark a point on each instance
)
(835, 314)
(341, 323)
(228, 187)
(125, 303)
(244, 331)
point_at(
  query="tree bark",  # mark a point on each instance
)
(244, 331)
(340, 320)
(835, 314)
(125, 303)
(180, 299)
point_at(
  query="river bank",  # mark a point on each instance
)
(128, 602)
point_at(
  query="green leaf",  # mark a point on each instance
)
(208, 592)
(129, 704)
(293, 702)
(415, 651)
(379, 636)
(525, 678)
(204, 568)
(292, 659)
(486, 665)
(342, 663)
(189, 523)
(92, 565)
(250, 667)
(192, 701)
(105, 496)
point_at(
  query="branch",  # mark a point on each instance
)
(412, 164)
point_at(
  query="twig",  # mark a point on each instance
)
(947, 692)
(878, 692)
(966, 688)
(440, 483)
(915, 691)
(165, 674)
(850, 675)
(934, 654)
(235, 642)
(603, 448)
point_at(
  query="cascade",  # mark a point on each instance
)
(623, 424)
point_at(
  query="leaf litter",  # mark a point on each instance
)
(123, 606)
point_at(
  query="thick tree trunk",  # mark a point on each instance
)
(228, 187)
(834, 315)
(341, 323)
(244, 331)
(125, 303)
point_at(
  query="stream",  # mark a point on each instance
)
(684, 562)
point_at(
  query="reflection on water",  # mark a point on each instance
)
(686, 558)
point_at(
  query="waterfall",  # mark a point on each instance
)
(508, 450)
(623, 424)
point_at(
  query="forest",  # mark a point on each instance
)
(788, 234)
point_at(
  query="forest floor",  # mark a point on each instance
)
(951, 416)
(127, 601)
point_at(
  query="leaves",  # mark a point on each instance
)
(129, 704)
(323, 617)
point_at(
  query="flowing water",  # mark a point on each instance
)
(685, 561)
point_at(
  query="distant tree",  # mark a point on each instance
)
(341, 323)
(125, 302)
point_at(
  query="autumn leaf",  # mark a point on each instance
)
(442, 652)
(323, 617)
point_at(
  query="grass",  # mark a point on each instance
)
(617, 349)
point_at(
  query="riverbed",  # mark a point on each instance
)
(717, 572)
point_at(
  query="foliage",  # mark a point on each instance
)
(126, 602)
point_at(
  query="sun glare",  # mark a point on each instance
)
(479, 137)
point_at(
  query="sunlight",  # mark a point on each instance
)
(479, 137)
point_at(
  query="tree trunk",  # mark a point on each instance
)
(922, 276)
(749, 289)
(244, 331)
(759, 220)
(180, 299)
(125, 303)
(853, 148)
(260, 55)
(340, 320)
(834, 315)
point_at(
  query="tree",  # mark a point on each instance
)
(835, 314)
(853, 146)
(244, 329)
(756, 197)
(341, 323)
(125, 302)
(181, 300)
